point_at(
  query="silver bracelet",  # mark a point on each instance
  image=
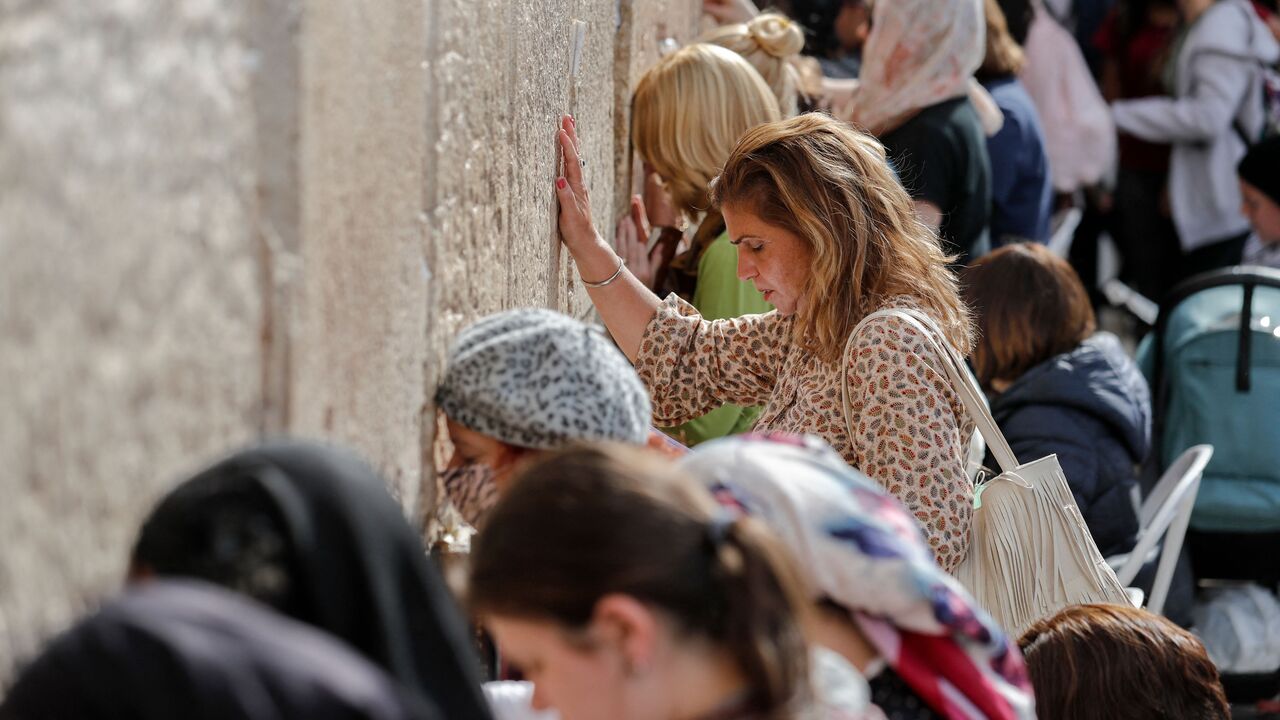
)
(621, 264)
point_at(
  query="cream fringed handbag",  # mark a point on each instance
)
(1030, 552)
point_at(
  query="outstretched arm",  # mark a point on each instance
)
(625, 304)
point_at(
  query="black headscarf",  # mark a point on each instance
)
(346, 560)
(191, 650)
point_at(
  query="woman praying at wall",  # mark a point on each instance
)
(687, 113)
(521, 383)
(829, 235)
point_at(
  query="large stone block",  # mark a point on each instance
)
(130, 286)
(359, 305)
(220, 220)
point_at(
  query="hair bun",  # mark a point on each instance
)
(776, 34)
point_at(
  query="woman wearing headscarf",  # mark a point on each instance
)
(186, 649)
(914, 94)
(312, 531)
(912, 630)
(524, 382)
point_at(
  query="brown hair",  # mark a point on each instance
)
(1029, 306)
(830, 185)
(1004, 55)
(1114, 661)
(592, 521)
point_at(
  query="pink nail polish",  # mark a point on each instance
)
(560, 183)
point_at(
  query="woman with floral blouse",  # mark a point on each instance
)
(828, 235)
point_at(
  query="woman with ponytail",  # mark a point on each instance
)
(621, 591)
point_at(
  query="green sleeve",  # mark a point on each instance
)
(720, 294)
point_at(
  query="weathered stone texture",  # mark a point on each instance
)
(644, 29)
(360, 308)
(227, 218)
(130, 308)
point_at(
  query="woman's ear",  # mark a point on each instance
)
(627, 625)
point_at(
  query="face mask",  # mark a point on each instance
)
(472, 491)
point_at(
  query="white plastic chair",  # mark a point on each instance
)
(1162, 522)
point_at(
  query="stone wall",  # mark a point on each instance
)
(224, 219)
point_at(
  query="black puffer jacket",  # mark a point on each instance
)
(1092, 408)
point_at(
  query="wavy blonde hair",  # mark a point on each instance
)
(830, 185)
(687, 113)
(772, 44)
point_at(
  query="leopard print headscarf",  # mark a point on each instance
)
(538, 379)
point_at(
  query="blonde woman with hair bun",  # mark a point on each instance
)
(687, 113)
(825, 229)
(772, 44)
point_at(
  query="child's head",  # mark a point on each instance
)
(1260, 189)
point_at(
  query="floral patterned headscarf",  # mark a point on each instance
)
(919, 53)
(858, 547)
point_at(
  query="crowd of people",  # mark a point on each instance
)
(753, 495)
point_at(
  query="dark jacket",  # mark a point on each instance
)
(1092, 408)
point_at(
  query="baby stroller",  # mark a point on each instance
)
(1213, 363)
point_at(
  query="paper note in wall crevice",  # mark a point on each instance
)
(578, 36)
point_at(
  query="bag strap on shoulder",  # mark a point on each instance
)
(962, 381)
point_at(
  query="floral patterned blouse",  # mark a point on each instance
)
(911, 432)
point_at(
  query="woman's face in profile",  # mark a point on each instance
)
(479, 471)
(776, 260)
(618, 666)
(576, 682)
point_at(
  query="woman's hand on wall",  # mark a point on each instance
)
(624, 303)
(577, 229)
